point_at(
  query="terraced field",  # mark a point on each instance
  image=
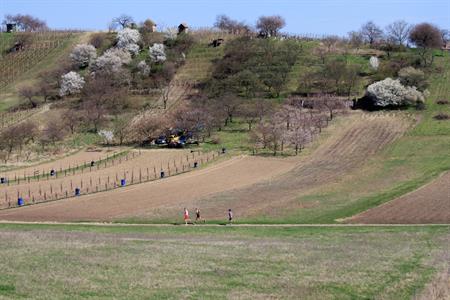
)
(136, 168)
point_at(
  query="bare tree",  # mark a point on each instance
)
(398, 32)
(53, 132)
(329, 103)
(426, 37)
(249, 112)
(270, 25)
(371, 32)
(71, 119)
(123, 21)
(225, 23)
(29, 92)
(26, 22)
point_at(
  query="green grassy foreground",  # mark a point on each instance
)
(103, 262)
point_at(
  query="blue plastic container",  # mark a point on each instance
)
(123, 182)
(52, 173)
(20, 201)
(2, 180)
(77, 192)
(162, 174)
(224, 150)
(195, 164)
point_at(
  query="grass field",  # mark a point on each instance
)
(100, 262)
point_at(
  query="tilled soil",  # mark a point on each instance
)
(144, 166)
(428, 204)
(148, 199)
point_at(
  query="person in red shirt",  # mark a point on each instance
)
(186, 216)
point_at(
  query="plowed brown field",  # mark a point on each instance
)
(154, 198)
(428, 204)
(143, 167)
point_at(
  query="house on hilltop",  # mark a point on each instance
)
(446, 46)
(183, 28)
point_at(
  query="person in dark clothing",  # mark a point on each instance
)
(230, 216)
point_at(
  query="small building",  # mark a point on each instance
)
(183, 28)
(446, 46)
(11, 27)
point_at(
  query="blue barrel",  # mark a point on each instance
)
(52, 173)
(2, 180)
(123, 182)
(77, 192)
(195, 164)
(20, 201)
(162, 174)
(92, 163)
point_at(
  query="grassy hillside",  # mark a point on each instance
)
(43, 52)
(413, 160)
(101, 262)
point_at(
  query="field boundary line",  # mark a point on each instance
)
(396, 198)
(109, 224)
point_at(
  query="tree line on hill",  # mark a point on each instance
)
(248, 83)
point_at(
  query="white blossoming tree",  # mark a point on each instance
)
(83, 54)
(390, 92)
(107, 136)
(128, 39)
(111, 61)
(171, 33)
(374, 62)
(157, 53)
(143, 68)
(71, 83)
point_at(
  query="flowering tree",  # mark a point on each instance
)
(71, 83)
(83, 54)
(390, 92)
(128, 39)
(157, 53)
(112, 60)
(143, 68)
(374, 62)
(171, 33)
(107, 136)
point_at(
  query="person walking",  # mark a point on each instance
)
(230, 216)
(198, 217)
(186, 216)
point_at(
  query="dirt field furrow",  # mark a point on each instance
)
(143, 167)
(152, 199)
(428, 204)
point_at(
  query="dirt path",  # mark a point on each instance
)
(428, 204)
(148, 199)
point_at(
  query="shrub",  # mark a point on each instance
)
(71, 83)
(442, 116)
(112, 60)
(374, 62)
(410, 76)
(143, 68)
(128, 39)
(442, 102)
(83, 54)
(390, 92)
(157, 53)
